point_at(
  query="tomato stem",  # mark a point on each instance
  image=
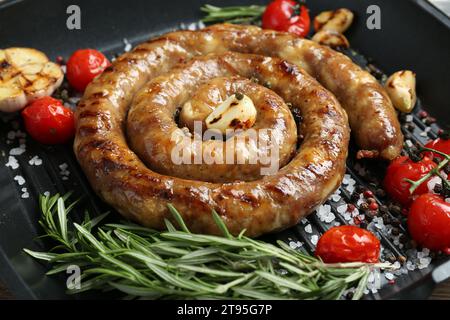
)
(434, 171)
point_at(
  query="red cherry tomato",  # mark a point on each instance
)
(404, 168)
(429, 222)
(83, 66)
(281, 15)
(439, 144)
(48, 121)
(348, 244)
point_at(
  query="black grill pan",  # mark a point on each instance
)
(414, 35)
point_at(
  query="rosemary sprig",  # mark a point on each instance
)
(233, 14)
(176, 263)
(433, 172)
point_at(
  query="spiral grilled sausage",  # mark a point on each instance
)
(267, 204)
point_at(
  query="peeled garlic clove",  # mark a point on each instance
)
(401, 88)
(339, 20)
(332, 39)
(236, 112)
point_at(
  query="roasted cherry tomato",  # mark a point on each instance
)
(348, 244)
(48, 121)
(440, 144)
(429, 222)
(83, 66)
(287, 15)
(404, 168)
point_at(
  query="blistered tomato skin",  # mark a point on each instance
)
(348, 244)
(48, 121)
(404, 168)
(429, 222)
(83, 66)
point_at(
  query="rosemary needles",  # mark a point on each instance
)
(176, 263)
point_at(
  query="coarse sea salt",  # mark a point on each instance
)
(389, 276)
(342, 208)
(295, 244)
(35, 161)
(127, 44)
(17, 151)
(308, 228)
(335, 198)
(20, 180)
(314, 239)
(12, 163)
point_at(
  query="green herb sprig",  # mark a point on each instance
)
(144, 263)
(233, 14)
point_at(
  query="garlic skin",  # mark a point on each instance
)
(339, 20)
(331, 39)
(236, 112)
(401, 88)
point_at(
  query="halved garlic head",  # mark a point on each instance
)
(26, 74)
(401, 88)
(339, 20)
(331, 38)
(236, 112)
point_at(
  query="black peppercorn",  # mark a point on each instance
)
(384, 208)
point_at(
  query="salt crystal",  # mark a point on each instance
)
(25, 195)
(389, 276)
(433, 182)
(35, 161)
(295, 244)
(17, 151)
(192, 27)
(346, 179)
(47, 193)
(409, 144)
(350, 188)
(12, 163)
(63, 166)
(336, 197)
(20, 180)
(330, 217)
(409, 118)
(11, 135)
(342, 208)
(308, 228)
(314, 239)
(201, 25)
(127, 44)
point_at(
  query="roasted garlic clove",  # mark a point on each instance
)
(339, 20)
(401, 87)
(25, 75)
(236, 112)
(331, 38)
